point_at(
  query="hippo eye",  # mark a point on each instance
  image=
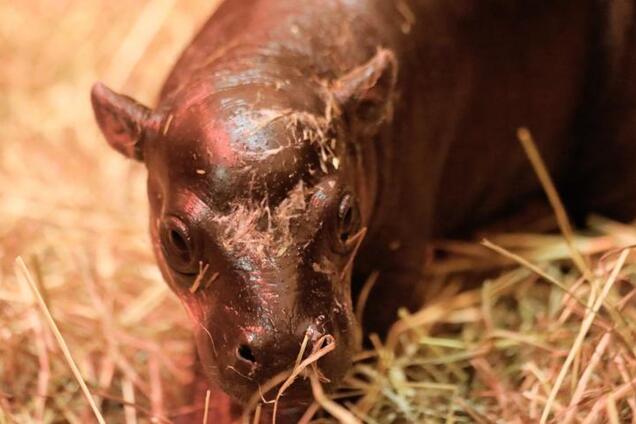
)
(177, 245)
(347, 217)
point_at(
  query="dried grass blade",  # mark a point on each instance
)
(532, 267)
(26, 276)
(137, 40)
(309, 413)
(586, 376)
(207, 407)
(338, 411)
(364, 295)
(585, 326)
(553, 197)
(128, 394)
(314, 357)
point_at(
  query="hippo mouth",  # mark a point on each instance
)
(258, 364)
(289, 393)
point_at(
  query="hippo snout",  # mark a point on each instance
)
(263, 350)
(256, 354)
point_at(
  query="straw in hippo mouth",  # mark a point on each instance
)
(306, 368)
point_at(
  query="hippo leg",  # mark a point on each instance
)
(398, 285)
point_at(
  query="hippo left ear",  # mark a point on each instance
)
(124, 122)
(365, 94)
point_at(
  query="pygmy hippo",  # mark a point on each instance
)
(299, 145)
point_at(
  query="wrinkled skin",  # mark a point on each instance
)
(293, 137)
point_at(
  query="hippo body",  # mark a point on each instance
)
(293, 137)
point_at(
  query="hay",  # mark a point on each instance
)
(500, 353)
(550, 336)
(77, 214)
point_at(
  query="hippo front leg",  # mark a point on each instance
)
(399, 283)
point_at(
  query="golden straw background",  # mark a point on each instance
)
(77, 213)
(549, 334)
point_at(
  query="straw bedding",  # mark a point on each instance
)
(548, 336)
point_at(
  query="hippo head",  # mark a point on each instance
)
(257, 208)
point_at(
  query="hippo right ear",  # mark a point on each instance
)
(366, 93)
(123, 121)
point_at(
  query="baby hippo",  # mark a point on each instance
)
(298, 146)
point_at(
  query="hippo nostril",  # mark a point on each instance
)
(244, 353)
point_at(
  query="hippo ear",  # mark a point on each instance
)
(123, 121)
(365, 94)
